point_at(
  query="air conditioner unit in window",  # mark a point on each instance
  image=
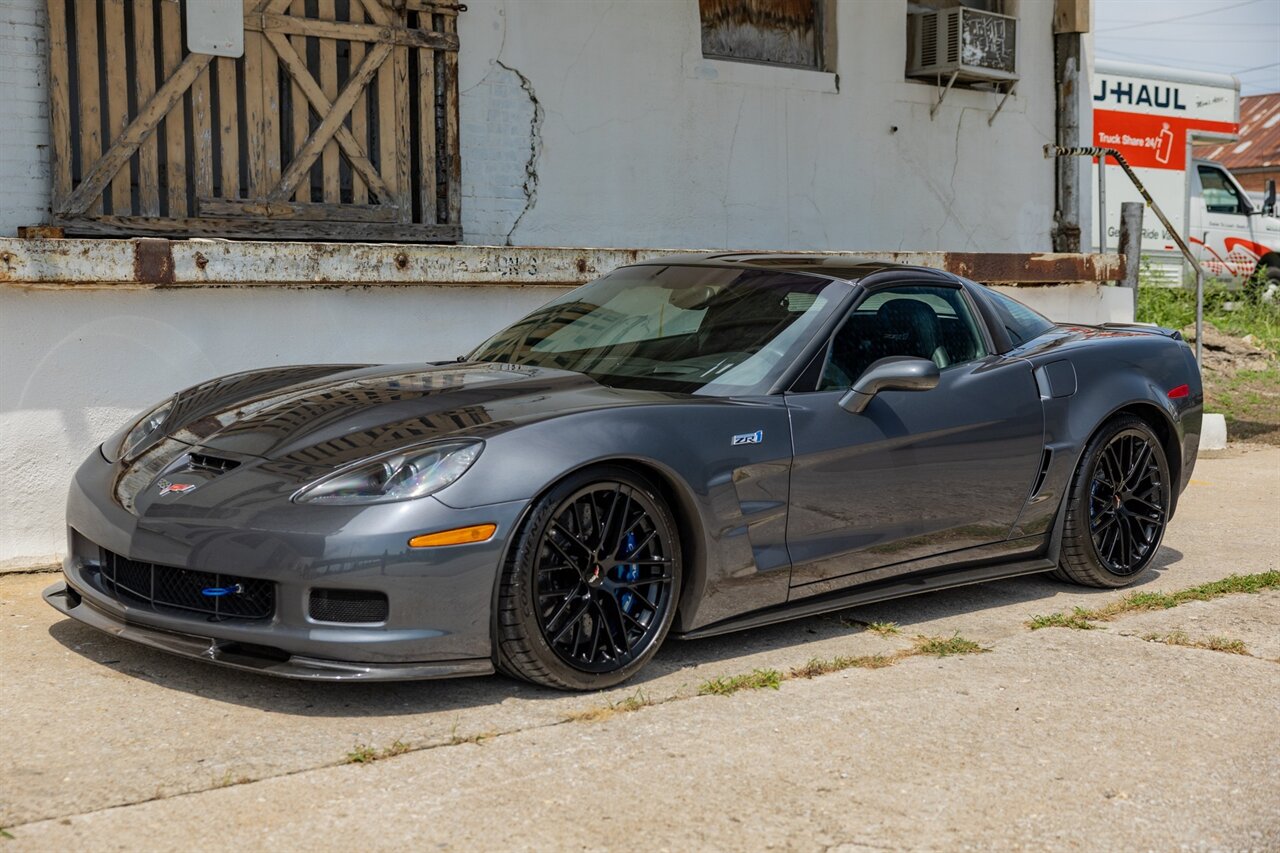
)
(973, 45)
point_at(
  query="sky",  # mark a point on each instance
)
(1240, 37)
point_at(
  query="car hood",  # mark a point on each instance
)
(355, 413)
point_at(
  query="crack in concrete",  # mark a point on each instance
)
(530, 185)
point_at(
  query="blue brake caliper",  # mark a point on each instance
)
(629, 573)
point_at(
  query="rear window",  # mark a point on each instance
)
(1018, 320)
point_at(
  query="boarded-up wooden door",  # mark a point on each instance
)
(340, 121)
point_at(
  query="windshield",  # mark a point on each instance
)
(698, 330)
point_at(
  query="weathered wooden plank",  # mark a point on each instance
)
(404, 136)
(426, 6)
(343, 31)
(334, 113)
(59, 101)
(90, 102)
(258, 209)
(202, 134)
(331, 178)
(148, 117)
(270, 114)
(124, 226)
(171, 40)
(229, 127)
(323, 106)
(117, 79)
(385, 91)
(255, 154)
(301, 110)
(144, 81)
(427, 133)
(360, 112)
(452, 143)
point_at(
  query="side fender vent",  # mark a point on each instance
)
(1044, 472)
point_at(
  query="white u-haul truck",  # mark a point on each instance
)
(1153, 116)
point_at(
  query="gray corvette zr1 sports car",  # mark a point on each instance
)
(687, 446)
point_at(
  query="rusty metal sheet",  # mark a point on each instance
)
(152, 262)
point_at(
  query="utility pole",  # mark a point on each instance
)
(1070, 22)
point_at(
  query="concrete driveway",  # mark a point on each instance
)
(1113, 738)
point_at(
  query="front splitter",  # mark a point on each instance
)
(70, 603)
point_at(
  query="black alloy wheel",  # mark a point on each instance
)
(1127, 503)
(595, 578)
(1118, 507)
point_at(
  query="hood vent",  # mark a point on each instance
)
(207, 462)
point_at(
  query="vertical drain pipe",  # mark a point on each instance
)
(1102, 154)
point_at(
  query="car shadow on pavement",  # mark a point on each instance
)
(391, 699)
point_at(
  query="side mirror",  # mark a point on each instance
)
(1269, 200)
(895, 373)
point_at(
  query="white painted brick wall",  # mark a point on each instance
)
(24, 124)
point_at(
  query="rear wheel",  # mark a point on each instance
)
(590, 589)
(1118, 506)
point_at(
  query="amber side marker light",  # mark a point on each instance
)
(457, 536)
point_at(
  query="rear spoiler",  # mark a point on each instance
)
(1149, 329)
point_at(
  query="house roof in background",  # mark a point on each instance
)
(1259, 143)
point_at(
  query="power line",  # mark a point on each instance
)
(1180, 17)
(1256, 68)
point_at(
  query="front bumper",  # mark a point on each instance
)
(438, 619)
(67, 601)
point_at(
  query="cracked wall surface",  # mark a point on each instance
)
(602, 124)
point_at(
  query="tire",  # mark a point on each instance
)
(1118, 506)
(576, 610)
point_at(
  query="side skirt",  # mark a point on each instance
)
(872, 593)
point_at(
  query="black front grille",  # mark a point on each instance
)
(164, 587)
(348, 605)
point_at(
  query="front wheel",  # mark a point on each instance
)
(590, 589)
(1118, 507)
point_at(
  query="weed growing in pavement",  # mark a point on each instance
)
(884, 629)
(757, 679)
(228, 780)
(364, 754)
(822, 666)
(944, 647)
(1135, 601)
(1078, 619)
(1213, 644)
(936, 646)
(604, 712)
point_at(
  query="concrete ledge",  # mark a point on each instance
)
(151, 263)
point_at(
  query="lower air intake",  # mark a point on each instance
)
(348, 605)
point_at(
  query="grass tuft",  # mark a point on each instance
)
(604, 712)
(365, 754)
(823, 666)
(1213, 644)
(757, 679)
(945, 646)
(1136, 601)
(884, 629)
(1078, 619)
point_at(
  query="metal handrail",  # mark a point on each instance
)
(1051, 150)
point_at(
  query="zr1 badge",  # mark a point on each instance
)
(749, 438)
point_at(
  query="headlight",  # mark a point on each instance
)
(146, 430)
(399, 476)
